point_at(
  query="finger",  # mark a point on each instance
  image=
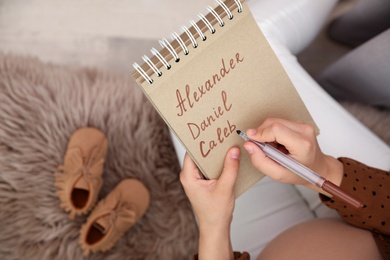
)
(275, 124)
(229, 173)
(265, 164)
(297, 126)
(190, 171)
(293, 141)
(269, 167)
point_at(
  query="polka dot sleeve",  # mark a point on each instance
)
(372, 186)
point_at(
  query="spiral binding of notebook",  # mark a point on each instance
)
(219, 75)
(189, 38)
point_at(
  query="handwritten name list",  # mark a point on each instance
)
(193, 96)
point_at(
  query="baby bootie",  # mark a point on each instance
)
(114, 215)
(80, 180)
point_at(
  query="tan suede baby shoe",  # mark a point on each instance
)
(114, 215)
(80, 180)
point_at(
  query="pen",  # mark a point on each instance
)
(304, 172)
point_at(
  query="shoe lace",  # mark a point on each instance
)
(122, 213)
(88, 165)
(86, 168)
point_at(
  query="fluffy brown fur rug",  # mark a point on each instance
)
(40, 107)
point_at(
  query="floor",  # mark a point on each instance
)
(323, 51)
(84, 32)
(111, 36)
(96, 33)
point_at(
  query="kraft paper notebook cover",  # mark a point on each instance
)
(219, 75)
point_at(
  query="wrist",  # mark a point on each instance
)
(334, 170)
(216, 232)
(222, 226)
(331, 170)
(214, 242)
(220, 221)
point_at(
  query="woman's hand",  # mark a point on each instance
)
(297, 140)
(213, 204)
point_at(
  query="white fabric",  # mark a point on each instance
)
(294, 24)
(268, 208)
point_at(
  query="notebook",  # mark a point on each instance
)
(217, 76)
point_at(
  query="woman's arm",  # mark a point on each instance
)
(213, 204)
(372, 187)
(298, 141)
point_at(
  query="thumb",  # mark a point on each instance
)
(229, 174)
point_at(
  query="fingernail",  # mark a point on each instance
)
(248, 148)
(251, 131)
(235, 154)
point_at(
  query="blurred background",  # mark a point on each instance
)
(113, 34)
(98, 33)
